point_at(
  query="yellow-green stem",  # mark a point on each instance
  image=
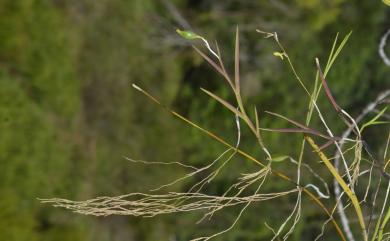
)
(343, 184)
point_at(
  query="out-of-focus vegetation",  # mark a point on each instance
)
(68, 114)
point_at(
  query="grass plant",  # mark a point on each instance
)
(347, 168)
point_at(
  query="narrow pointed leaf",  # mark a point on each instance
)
(225, 74)
(331, 54)
(328, 143)
(237, 62)
(212, 63)
(287, 119)
(380, 122)
(374, 121)
(327, 90)
(342, 183)
(378, 115)
(223, 102)
(286, 130)
(302, 127)
(387, 163)
(298, 130)
(341, 46)
(257, 121)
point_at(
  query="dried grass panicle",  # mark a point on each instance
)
(149, 205)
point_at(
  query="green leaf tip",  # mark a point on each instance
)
(387, 2)
(188, 34)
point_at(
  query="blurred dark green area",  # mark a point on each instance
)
(68, 114)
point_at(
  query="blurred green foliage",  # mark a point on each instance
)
(68, 114)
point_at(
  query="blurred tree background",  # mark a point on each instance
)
(68, 114)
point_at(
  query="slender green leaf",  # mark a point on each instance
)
(300, 130)
(222, 67)
(343, 185)
(223, 102)
(326, 87)
(237, 62)
(374, 121)
(287, 119)
(385, 220)
(257, 121)
(341, 46)
(331, 54)
(212, 63)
